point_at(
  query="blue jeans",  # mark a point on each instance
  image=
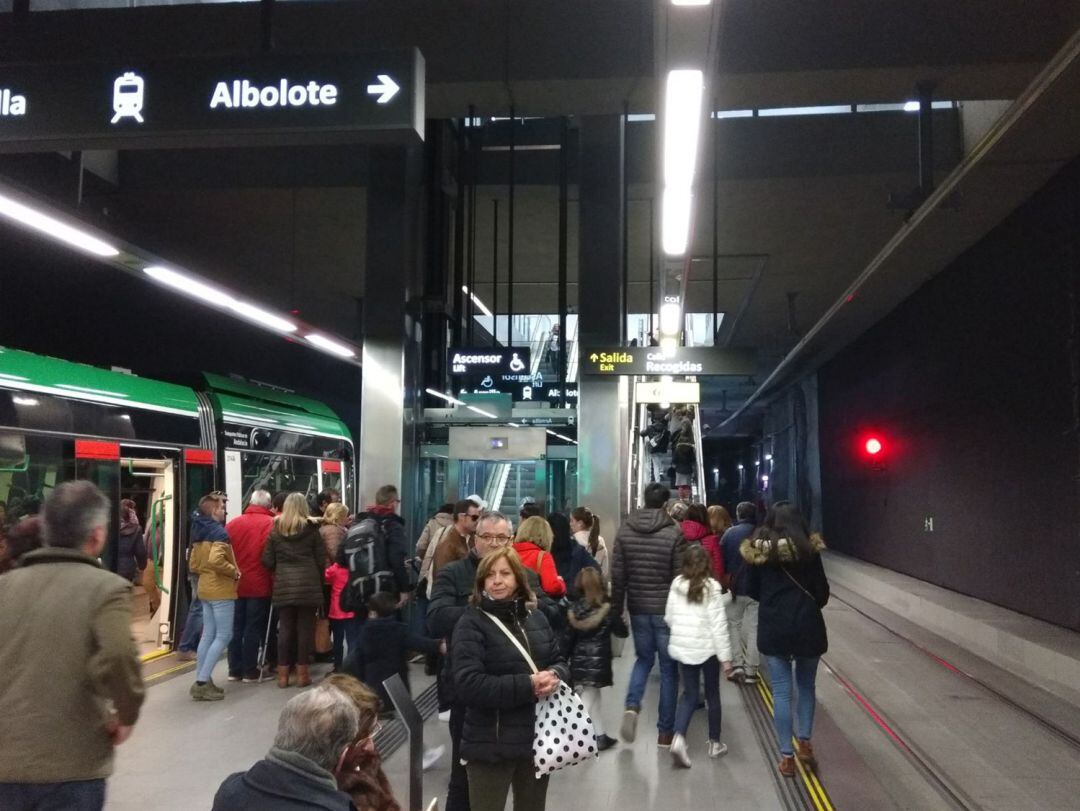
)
(651, 636)
(688, 701)
(76, 795)
(345, 631)
(780, 681)
(217, 631)
(249, 630)
(189, 640)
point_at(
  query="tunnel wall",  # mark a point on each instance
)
(970, 383)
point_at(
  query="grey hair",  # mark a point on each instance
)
(746, 511)
(72, 512)
(491, 517)
(319, 724)
(261, 498)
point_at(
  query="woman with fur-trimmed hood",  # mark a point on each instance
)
(786, 577)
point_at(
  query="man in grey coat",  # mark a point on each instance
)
(645, 560)
(73, 686)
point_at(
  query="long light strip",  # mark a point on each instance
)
(487, 414)
(52, 227)
(330, 345)
(690, 2)
(446, 397)
(480, 305)
(682, 124)
(189, 286)
(261, 316)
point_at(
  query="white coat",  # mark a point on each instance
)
(698, 630)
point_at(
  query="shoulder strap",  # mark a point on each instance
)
(800, 585)
(514, 639)
(539, 557)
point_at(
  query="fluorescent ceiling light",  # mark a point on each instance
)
(668, 345)
(669, 318)
(911, 107)
(52, 227)
(487, 414)
(261, 316)
(676, 205)
(189, 286)
(690, 2)
(442, 396)
(513, 424)
(682, 123)
(331, 346)
(24, 401)
(475, 300)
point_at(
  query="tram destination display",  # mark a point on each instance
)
(267, 99)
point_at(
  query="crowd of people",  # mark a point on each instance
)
(505, 617)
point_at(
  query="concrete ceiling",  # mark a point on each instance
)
(802, 206)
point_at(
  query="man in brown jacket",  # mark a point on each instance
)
(453, 543)
(73, 686)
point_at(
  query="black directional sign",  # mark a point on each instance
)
(652, 360)
(269, 99)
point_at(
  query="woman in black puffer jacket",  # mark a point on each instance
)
(497, 686)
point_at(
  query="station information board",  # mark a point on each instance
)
(255, 100)
(651, 360)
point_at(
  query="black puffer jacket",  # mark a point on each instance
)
(647, 555)
(492, 678)
(297, 563)
(791, 590)
(450, 600)
(588, 644)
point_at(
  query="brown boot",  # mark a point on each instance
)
(805, 753)
(303, 676)
(787, 766)
(283, 676)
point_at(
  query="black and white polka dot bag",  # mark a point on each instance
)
(563, 734)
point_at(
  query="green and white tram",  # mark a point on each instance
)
(163, 446)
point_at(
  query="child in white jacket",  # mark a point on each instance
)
(695, 613)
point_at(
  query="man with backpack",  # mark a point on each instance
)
(374, 553)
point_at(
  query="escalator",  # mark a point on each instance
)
(638, 475)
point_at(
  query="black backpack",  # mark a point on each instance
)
(363, 553)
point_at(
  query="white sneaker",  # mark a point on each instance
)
(444, 716)
(432, 756)
(717, 749)
(629, 725)
(678, 751)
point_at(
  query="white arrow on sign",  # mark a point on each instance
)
(387, 87)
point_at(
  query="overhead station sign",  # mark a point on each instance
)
(269, 99)
(651, 360)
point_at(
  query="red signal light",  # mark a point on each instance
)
(873, 446)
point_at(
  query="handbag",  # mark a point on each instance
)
(323, 642)
(563, 734)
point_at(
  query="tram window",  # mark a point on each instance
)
(43, 462)
(292, 474)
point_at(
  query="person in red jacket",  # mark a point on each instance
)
(696, 527)
(533, 545)
(248, 533)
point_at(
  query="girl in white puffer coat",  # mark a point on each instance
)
(696, 615)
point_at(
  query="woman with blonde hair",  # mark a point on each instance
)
(497, 686)
(719, 520)
(295, 553)
(533, 545)
(333, 528)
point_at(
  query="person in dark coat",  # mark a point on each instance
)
(384, 647)
(393, 549)
(497, 686)
(450, 595)
(295, 553)
(316, 731)
(131, 550)
(742, 611)
(788, 580)
(570, 556)
(588, 647)
(645, 559)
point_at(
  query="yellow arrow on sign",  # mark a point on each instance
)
(593, 357)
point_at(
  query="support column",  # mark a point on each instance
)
(387, 447)
(603, 405)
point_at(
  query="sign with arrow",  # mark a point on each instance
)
(652, 360)
(271, 99)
